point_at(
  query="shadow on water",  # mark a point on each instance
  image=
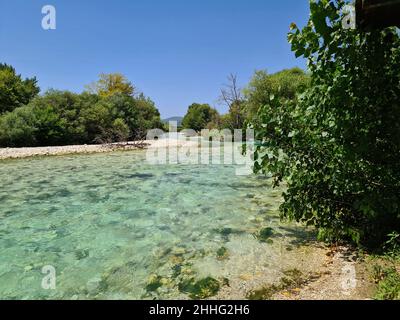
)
(142, 176)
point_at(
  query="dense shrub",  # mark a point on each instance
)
(199, 116)
(285, 85)
(63, 118)
(14, 91)
(338, 146)
(18, 128)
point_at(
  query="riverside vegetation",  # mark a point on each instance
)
(330, 135)
(110, 110)
(337, 144)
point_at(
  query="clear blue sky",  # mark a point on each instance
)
(176, 51)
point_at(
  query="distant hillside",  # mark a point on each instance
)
(177, 119)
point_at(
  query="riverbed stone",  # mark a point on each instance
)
(93, 285)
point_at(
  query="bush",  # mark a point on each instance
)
(389, 286)
(18, 128)
(337, 146)
(285, 85)
(63, 118)
(199, 116)
(14, 91)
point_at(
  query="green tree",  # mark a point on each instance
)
(139, 113)
(111, 84)
(58, 117)
(17, 128)
(149, 115)
(63, 118)
(199, 116)
(285, 85)
(102, 125)
(337, 145)
(15, 91)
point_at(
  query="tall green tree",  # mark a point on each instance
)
(199, 116)
(15, 91)
(337, 146)
(110, 84)
(17, 128)
(63, 118)
(285, 85)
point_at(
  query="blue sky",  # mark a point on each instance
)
(176, 51)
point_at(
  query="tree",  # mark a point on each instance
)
(285, 85)
(150, 117)
(232, 97)
(199, 116)
(231, 93)
(103, 124)
(63, 118)
(337, 145)
(139, 113)
(14, 91)
(110, 84)
(59, 117)
(17, 128)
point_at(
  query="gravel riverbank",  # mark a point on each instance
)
(19, 153)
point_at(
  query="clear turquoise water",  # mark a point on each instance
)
(109, 223)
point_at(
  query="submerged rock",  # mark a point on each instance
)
(94, 285)
(227, 232)
(176, 270)
(222, 253)
(81, 254)
(154, 283)
(264, 235)
(200, 289)
(164, 227)
(179, 251)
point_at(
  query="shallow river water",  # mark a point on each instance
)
(112, 226)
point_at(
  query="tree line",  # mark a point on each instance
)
(244, 103)
(112, 110)
(109, 110)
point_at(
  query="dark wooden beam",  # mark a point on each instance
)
(377, 14)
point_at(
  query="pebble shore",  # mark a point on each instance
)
(19, 153)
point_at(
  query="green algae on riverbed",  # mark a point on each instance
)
(115, 227)
(293, 279)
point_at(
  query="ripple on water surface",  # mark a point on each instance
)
(115, 227)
